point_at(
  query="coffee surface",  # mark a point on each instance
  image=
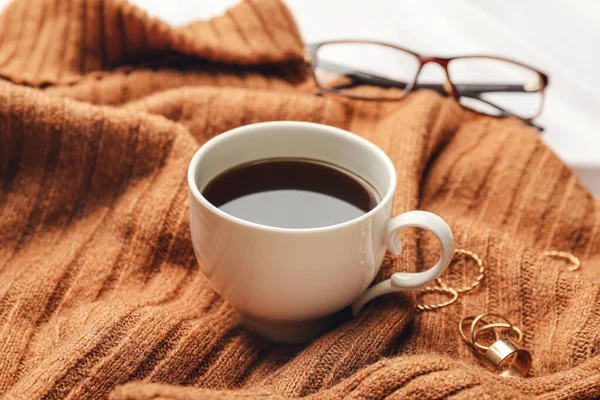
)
(291, 193)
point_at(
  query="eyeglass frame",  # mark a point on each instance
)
(447, 89)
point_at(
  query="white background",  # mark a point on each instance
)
(560, 38)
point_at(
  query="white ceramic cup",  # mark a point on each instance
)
(285, 282)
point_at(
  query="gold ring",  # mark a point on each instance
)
(507, 356)
(468, 319)
(437, 289)
(478, 279)
(476, 320)
(493, 326)
(575, 263)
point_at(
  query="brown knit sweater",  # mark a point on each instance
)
(101, 109)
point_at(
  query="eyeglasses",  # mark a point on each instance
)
(488, 85)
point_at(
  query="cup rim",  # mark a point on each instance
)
(195, 191)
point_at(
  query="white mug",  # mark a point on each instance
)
(285, 282)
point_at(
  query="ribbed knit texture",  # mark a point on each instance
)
(100, 293)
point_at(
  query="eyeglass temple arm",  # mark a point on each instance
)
(504, 112)
(462, 89)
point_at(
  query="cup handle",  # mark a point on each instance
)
(410, 281)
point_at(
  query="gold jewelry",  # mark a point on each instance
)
(479, 277)
(474, 323)
(503, 355)
(575, 263)
(509, 359)
(443, 288)
(437, 289)
(468, 320)
(493, 326)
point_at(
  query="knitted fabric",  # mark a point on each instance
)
(101, 109)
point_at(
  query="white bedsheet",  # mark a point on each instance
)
(560, 38)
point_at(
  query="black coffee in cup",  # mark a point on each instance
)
(291, 193)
